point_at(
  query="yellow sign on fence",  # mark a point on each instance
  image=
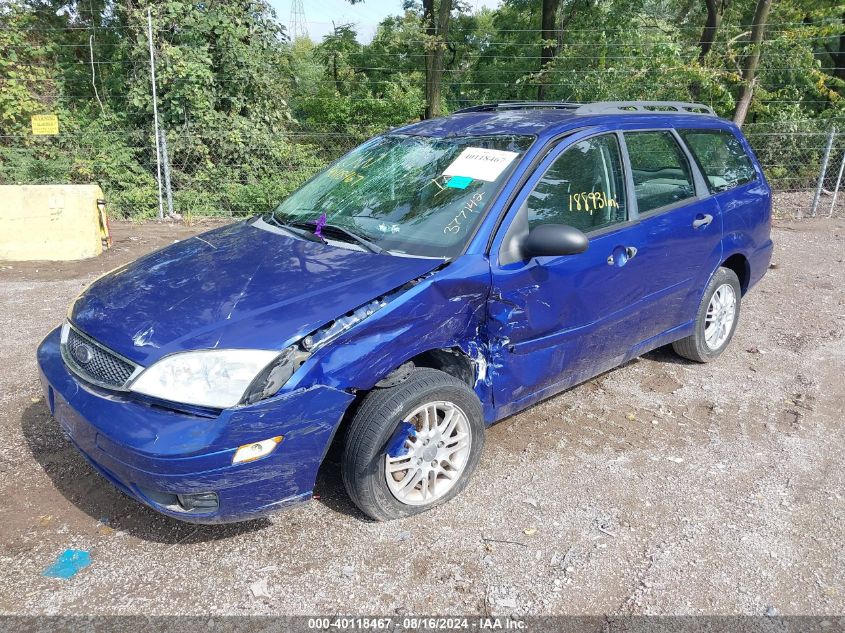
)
(45, 124)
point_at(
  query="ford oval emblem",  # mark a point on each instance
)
(83, 353)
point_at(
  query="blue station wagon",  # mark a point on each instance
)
(431, 282)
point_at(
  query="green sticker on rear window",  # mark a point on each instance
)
(459, 182)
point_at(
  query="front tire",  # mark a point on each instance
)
(412, 446)
(716, 320)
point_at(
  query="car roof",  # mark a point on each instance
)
(529, 122)
(542, 119)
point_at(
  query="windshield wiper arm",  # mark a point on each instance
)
(287, 229)
(300, 229)
(344, 232)
(370, 246)
(305, 230)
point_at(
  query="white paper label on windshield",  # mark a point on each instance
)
(480, 163)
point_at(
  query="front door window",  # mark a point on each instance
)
(583, 188)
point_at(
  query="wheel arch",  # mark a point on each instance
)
(740, 265)
(452, 360)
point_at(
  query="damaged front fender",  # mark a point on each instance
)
(444, 311)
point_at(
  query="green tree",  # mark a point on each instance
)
(249, 114)
(358, 94)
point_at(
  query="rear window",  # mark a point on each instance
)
(662, 175)
(720, 157)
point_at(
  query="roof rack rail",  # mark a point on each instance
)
(518, 105)
(644, 107)
(599, 107)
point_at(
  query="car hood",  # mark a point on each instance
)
(240, 286)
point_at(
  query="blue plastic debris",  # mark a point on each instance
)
(396, 444)
(68, 563)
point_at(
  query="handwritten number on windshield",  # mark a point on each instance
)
(473, 205)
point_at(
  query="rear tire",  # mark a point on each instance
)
(716, 320)
(413, 446)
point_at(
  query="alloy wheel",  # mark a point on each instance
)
(432, 457)
(721, 312)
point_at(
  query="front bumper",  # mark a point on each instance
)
(153, 453)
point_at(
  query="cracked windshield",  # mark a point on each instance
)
(405, 194)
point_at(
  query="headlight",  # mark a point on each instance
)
(208, 378)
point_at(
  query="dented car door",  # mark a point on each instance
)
(560, 320)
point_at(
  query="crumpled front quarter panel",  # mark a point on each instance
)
(446, 310)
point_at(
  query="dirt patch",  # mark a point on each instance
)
(130, 240)
(660, 487)
(799, 204)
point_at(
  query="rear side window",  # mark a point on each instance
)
(720, 157)
(662, 175)
(582, 188)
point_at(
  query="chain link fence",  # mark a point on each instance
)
(802, 159)
(802, 162)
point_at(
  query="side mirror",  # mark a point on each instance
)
(554, 240)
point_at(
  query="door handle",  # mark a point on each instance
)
(702, 220)
(621, 255)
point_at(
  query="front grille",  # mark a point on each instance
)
(95, 363)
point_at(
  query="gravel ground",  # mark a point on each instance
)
(661, 487)
(792, 205)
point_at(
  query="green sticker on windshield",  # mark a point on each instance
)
(459, 182)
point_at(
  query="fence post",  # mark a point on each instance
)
(166, 160)
(836, 189)
(823, 172)
(155, 111)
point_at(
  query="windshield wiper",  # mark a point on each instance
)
(272, 218)
(297, 228)
(342, 231)
(370, 246)
(305, 229)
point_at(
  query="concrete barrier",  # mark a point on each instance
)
(49, 222)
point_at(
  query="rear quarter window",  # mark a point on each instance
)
(720, 157)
